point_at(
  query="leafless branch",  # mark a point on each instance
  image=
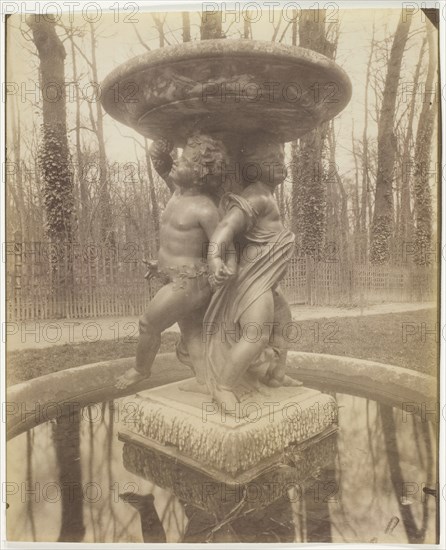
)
(141, 41)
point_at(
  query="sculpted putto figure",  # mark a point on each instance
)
(239, 323)
(187, 224)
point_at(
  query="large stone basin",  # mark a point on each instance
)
(227, 87)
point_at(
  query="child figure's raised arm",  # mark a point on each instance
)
(160, 153)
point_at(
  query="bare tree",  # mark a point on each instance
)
(15, 180)
(405, 227)
(365, 188)
(105, 209)
(186, 26)
(383, 221)
(211, 25)
(152, 194)
(54, 153)
(83, 203)
(423, 196)
(309, 193)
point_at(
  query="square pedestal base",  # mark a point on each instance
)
(266, 429)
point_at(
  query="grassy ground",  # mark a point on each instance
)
(400, 339)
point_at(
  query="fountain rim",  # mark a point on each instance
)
(94, 383)
(214, 48)
(224, 48)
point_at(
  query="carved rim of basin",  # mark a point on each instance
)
(36, 401)
(231, 87)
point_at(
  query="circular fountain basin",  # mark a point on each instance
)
(233, 87)
(378, 470)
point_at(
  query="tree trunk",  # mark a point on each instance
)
(15, 181)
(54, 158)
(365, 189)
(211, 25)
(309, 193)
(105, 209)
(423, 198)
(82, 210)
(186, 26)
(247, 28)
(356, 207)
(382, 227)
(339, 191)
(153, 196)
(406, 229)
(66, 437)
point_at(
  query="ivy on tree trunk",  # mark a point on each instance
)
(54, 154)
(309, 187)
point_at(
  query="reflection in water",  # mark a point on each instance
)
(374, 494)
(151, 526)
(66, 438)
(272, 524)
(317, 511)
(29, 481)
(414, 535)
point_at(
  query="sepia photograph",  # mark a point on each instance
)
(221, 273)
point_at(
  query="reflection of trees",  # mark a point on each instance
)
(104, 469)
(371, 451)
(104, 521)
(342, 447)
(414, 535)
(151, 526)
(29, 480)
(109, 460)
(244, 523)
(367, 441)
(169, 517)
(318, 521)
(90, 463)
(66, 437)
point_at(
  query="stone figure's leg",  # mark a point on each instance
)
(255, 325)
(282, 316)
(169, 304)
(192, 333)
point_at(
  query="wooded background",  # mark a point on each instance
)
(84, 202)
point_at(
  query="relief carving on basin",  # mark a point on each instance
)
(226, 87)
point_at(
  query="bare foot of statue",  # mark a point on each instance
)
(286, 381)
(130, 377)
(257, 374)
(226, 400)
(254, 381)
(194, 385)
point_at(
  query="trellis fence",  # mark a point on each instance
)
(351, 284)
(91, 282)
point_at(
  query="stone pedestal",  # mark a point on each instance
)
(180, 441)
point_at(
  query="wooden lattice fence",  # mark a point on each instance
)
(88, 285)
(350, 284)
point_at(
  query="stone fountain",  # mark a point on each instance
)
(237, 92)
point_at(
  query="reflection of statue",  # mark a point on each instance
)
(187, 224)
(239, 322)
